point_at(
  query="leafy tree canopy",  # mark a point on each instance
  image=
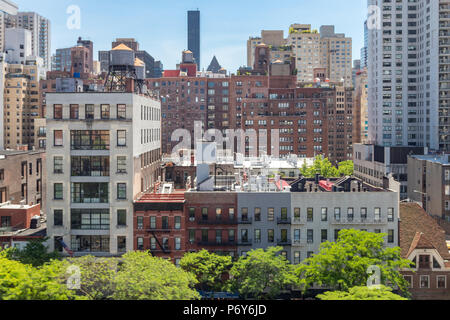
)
(326, 169)
(344, 264)
(208, 268)
(362, 293)
(262, 274)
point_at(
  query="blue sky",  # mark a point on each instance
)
(161, 27)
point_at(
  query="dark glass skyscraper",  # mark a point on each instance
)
(194, 35)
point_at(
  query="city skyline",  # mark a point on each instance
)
(167, 37)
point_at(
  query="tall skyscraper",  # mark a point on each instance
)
(364, 50)
(409, 74)
(194, 35)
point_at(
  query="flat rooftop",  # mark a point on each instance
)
(441, 159)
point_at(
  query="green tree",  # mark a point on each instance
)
(208, 268)
(20, 281)
(362, 293)
(97, 276)
(346, 168)
(143, 277)
(262, 274)
(321, 165)
(344, 264)
(35, 253)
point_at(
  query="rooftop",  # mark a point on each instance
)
(438, 158)
(419, 230)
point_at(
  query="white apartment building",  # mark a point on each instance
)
(409, 73)
(7, 8)
(17, 45)
(103, 150)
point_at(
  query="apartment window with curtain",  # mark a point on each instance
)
(121, 138)
(310, 214)
(257, 214)
(324, 214)
(89, 112)
(121, 111)
(58, 191)
(57, 138)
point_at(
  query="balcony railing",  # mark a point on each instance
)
(245, 221)
(245, 242)
(284, 220)
(218, 222)
(284, 242)
(160, 230)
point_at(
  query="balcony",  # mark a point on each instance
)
(245, 242)
(284, 242)
(217, 243)
(299, 243)
(160, 230)
(284, 220)
(227, 222)
(245, 221)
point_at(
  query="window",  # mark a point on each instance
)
(58, 138)
(121, 218)
(244, 214)
(257, 214)
(297, 236)
(90, 243)
(121, 138)
(121, 191)
(324, 235)
(296, 257)
(90, 193)
(310, 214)
(153, 223)
(271, 214)
(191, 236)
(86, 166)
(121, 111)
(177, 223)
(231, 235)
(424, 281)
(90, 219)
(363, 214)
(205, 214)
(152, 243)
(177, 243)
(121, 164)
(140, 223)
(337, 214)
(297, 214)
(424, 262)
(58, 165)
(105, 111)
(390, 236)
(89, 112)
(271, 236)
(310, 234)
(121, 244)
(205, 236)
(350, 214)
(441, 282)
(324, 214)
(390, 214)
(257, 235)
(336, 234)
(165, 223)
(231, 213)
(140, 243)
(5, 222)
(58, 218)
(218, 214)
(192, 214)
(284, 214)
(409, 279)
(377, 214)
(74, 111)
(58, 191)
(89, 140)
(58, 111)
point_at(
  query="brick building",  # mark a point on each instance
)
(22, 177)
(16, 216)
(211, 222)
(422, 241)
(159, 225)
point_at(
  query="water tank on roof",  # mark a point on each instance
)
(122, 57)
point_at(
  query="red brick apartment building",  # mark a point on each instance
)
(312, 120)
(423, 241)
(160, 225)
(169, 225)
(211, 222)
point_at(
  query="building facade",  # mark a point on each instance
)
(103, 151)
(194, 35)
(429, 183)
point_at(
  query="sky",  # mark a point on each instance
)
(160, 27)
